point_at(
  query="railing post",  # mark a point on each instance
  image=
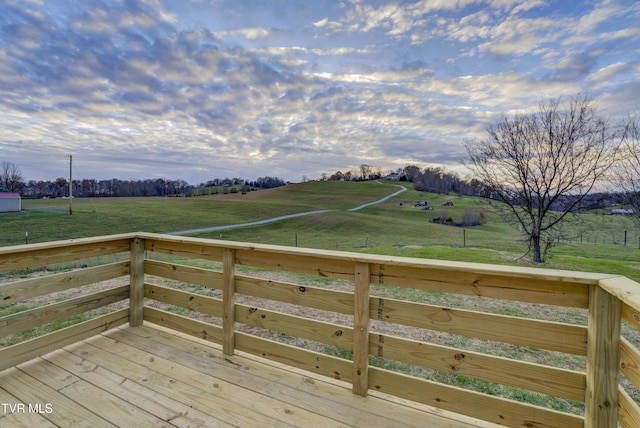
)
(228, 299)
(136, 282)
(603, 358)
(361, 329)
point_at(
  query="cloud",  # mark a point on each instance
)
(148, 88)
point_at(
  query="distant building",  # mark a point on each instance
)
(396, 176)
(10, 201)
(621, 212)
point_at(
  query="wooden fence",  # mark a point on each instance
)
(144, 269)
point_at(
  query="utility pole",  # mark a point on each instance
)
(70, 184)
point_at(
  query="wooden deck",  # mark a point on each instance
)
(151, 376)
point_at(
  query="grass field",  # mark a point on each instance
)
(589, 242)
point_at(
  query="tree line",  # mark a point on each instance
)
(432, 179)
(12, 179)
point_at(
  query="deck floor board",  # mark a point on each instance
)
(151, 376)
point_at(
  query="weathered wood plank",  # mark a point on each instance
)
(29, 390)
(306, 328)
(298, 263)
(265, 410)
(549, 335)
(10, 416)
(206, 395)
(136, 281)
(485, 407)
(629, 412)
(228, 300)
(303, 295)
(361, 329)
(42, 254)
(139, 395)
(18, 353)
(631, 316)
(630, 361)
(193, 275)
(195, 302)
(183, 247)
(31, 318)
(603, 358)
(17, 291)
(187, 325)
(534, 377)
(108, 406)
(628, 292)
(500, 283)
(314, 362)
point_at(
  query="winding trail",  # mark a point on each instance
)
(381, 200)
(283, 217)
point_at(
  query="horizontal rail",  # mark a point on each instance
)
(500, 411)
(28, 288)
(37, 255)
(24, 351)
(25, 320)
(553, 336)
(534, 377)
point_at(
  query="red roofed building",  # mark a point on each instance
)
(10, 201)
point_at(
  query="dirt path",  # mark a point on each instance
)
(284, 217)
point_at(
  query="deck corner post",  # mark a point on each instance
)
(228, 300)
(136, 282)
(603, 358)
(361, 329)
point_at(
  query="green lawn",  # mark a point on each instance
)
(592, 242)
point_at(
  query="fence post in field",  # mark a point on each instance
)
(361, 329)
(136, 282)
(228, 298)
(603, 358)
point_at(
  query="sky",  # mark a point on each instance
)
(196, 90)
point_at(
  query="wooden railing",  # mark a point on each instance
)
(220, 291)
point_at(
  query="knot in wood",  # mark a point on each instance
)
(338, 333)
(252, 310)
(459, 356)
(302, 289)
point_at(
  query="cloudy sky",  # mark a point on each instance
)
(193, 90)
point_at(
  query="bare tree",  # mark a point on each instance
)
(365, 171)
(628, 175)
(10, 176)
(542, 165)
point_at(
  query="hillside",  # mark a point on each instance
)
(392, 227)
